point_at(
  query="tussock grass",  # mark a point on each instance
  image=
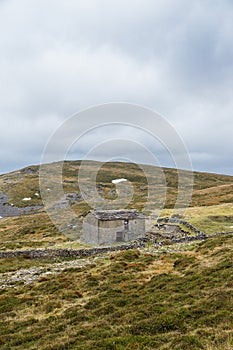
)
(128, 300)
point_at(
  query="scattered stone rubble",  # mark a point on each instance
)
(27, 276)
(168, 231)
(30, 170)
(67, 200)
(181, 222)
(7, 210)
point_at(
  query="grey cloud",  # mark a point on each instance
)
(58, 57)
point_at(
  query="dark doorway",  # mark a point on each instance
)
(120, 236)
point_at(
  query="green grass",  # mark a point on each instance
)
(130, 300)
(29, 231)
(37, 231)
(10, 265)
(211, 219)
(177, 297)
(22, 235)
(209, 189)
(208, 212)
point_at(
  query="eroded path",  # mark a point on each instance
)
(27, 276)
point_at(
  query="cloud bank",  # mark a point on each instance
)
(174, 56)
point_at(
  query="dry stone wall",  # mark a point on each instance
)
(181, 222)
(7, 210)
(42, 253)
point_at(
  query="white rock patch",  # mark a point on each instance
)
(117, 181)
(26, 199)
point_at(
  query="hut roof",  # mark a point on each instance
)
(107, 215)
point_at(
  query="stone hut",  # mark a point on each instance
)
(109, 226)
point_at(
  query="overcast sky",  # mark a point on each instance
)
(60, 56)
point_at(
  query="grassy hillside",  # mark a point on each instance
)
(209, 189)
(177, 296)
(29, 231)
(210, 209)
(129, 300)
(208, 219)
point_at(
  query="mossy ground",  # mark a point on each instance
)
(128, 300)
